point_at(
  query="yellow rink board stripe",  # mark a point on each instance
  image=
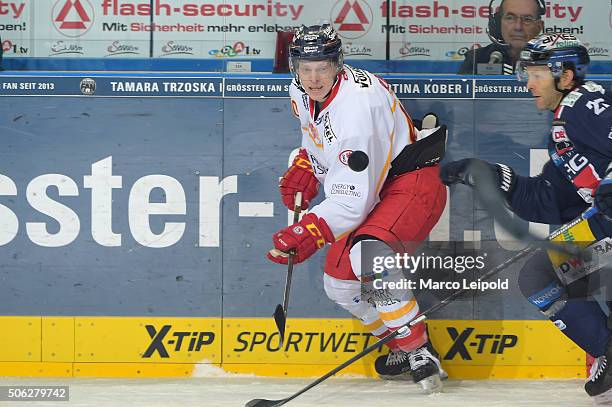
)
(307, 341)
(187, 347)
(142, 339)
(57, 339)
(20, 339)
(504, 342)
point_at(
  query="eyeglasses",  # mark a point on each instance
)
(513, 18)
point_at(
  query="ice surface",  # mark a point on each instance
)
(350, 392)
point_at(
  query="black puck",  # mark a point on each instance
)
(358, 161)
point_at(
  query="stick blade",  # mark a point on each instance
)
(279, 318)
(264, 403)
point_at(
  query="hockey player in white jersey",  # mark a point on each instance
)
(379, 174)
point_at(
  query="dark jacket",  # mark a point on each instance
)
(483, 55)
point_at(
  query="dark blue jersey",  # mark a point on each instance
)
(580, 148)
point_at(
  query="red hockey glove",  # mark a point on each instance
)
(299, 178)
(303, 238)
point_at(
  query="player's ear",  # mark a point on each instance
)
(567, 79)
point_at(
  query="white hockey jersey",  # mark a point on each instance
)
(361, 113)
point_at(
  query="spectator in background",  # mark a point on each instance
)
(515, 23)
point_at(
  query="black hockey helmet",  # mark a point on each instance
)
(315, 43)
(556, 51)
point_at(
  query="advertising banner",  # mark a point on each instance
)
(192, 347)
(212, 29)
(16, 28)
(136, 212)
(86, 28)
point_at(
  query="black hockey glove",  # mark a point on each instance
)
(603, 197)
(469, 170)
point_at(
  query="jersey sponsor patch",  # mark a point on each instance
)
(344, 156)
(305, 101)
(593, 87)
(361, 78)
(328, 133)
(317, 167)
(559, 134)
(576, 168)
(563, 147)
(550, 294)
(571, 268)
(571, 99)
(346, 189)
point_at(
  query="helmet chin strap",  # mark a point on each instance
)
(563, 91)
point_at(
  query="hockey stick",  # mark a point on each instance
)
(422, 317)
(280, 313)
(580, 258)
(485, 184)
(269, 403)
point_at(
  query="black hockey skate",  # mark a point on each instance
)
(599, 385)
(425, 370)
(395, 365)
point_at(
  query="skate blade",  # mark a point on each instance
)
(604, 399)
(402, 377)
(443, 374)
(431, 384)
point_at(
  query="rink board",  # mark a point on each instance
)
(180, 347)
(132, 199)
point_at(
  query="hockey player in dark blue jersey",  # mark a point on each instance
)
(580, 149)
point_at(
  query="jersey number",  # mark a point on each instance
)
(597, 106)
